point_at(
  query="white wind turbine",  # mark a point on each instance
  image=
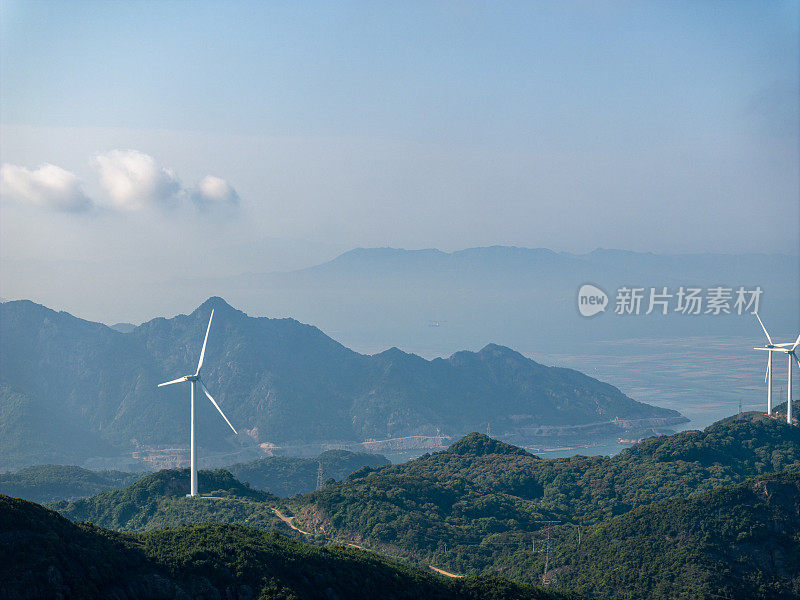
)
(790, 350)
(768, 375)
(193, 379)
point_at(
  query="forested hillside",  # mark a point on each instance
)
(484, 505)
(44, 555)
(740, 542)
(159, 500)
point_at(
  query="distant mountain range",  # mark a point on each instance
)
(123, 327)
(526, 298)
(73, 390)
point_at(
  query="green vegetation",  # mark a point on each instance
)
(159, 500)
(45, 483)
(286, 476)
(487, 508)
(44, 555)
(740, 542)
(476, 509)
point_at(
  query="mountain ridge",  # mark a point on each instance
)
(518, 297)
(279, 380)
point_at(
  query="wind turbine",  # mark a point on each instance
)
(768, 375)
(194, 379)
(790, 350)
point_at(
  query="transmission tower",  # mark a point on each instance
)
(320, 474)
(547, 547)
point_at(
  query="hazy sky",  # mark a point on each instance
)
(147, 141)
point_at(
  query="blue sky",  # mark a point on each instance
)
(282, 133)
(493, 73)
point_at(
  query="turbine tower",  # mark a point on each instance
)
(195, 379)
(791, 352)
(768, 375)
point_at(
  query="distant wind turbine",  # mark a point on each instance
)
(768, 375)
(790, 350)
(193, 379)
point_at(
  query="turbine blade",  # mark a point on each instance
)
(796, 343)
(773, 349)
(203, 351)
(769, 339)
(214, 402)
(766, 375)
(181, 380)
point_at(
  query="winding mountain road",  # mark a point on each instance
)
(289, 522)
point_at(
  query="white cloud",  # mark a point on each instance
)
(49, 187)
(214, 193)
(133, 180)
(129, 181)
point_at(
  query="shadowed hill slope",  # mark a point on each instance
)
(44, 555)
(740, 542)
